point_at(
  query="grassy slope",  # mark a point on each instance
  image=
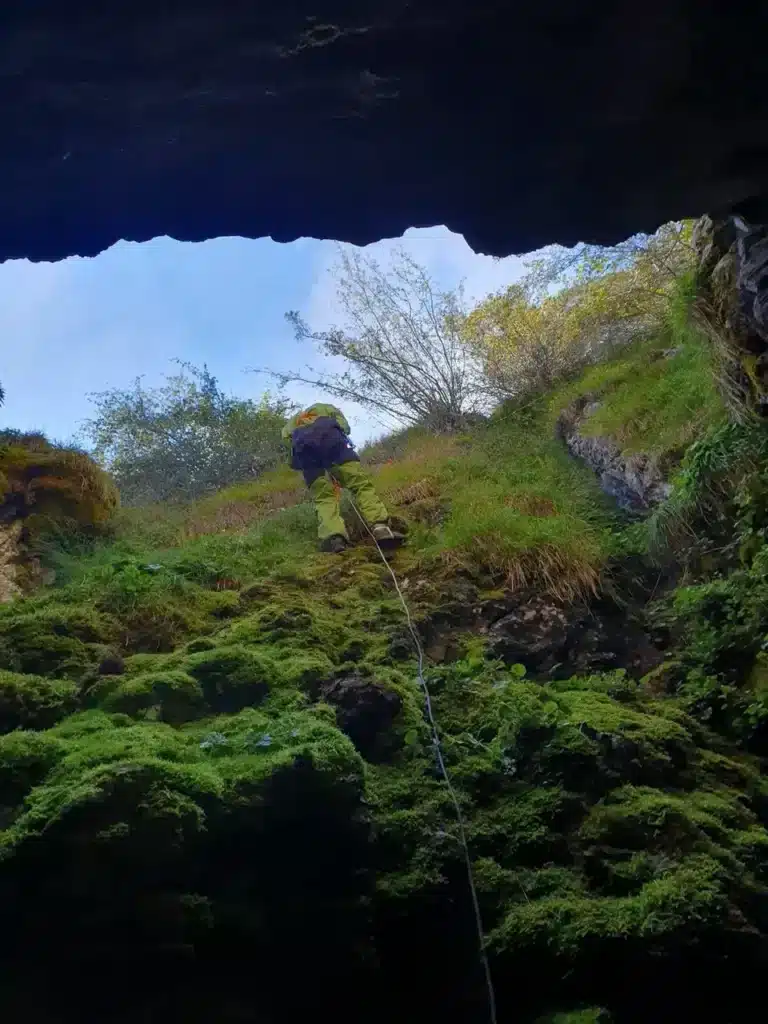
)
(612, 836)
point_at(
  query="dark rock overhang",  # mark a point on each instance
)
(516, 124)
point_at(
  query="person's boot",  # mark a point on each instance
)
(385, 536)
(336, 544)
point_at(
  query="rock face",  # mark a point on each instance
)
(365, 711)
(9, 559)
(555, 641)
(635, 481)
(551, 639)
(356, 121)
(732, 306)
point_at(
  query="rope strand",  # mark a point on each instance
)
(444, 772)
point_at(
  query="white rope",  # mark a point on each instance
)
(444, 772)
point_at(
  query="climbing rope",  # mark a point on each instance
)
(443, 771)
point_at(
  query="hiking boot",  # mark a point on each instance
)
(385, 536)
(336, 544)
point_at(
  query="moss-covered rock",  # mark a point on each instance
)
(25, 760)
(172, 697)
(58, 641)
(250, 828)
(257, 790)
(34, 702)
(232, 678)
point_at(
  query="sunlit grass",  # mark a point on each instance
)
(652, 398)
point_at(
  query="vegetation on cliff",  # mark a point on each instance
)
(215, 774)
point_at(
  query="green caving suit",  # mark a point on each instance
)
(320, 447)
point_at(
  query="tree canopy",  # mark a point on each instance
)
(576, 305)
(183, 439)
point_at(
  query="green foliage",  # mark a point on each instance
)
(206, 798)
(184, 439)
(720, 630)
(720, 496)
(576, 307)
(33, 702)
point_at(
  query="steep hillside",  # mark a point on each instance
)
(219, 797)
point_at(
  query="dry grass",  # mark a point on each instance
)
(236, 516)
(531, 505)
(561, 574)
(420, 490)
(415, 443)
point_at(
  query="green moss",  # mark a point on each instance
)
(210, 800)
(232, 677)
(57, 641)
(248, 825)
(137, 664)
(589, 1015)
(172, 697)
(84, 723)
(688, 898)
(306, 670)
(33, 702)
(641, 818)
(25, 759)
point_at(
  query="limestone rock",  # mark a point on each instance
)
(635, 481)
(732, 306)
(557, 640)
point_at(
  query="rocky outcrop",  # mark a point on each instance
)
(341, 120)
(9, 561)
(552, 640)
(635, 481)
(365, 711)
(732, 306)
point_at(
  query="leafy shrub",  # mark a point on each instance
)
(720, 496)
(184, 439)
(576, 307)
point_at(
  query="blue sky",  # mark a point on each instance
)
(84, 325)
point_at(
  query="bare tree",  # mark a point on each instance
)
(402, 345)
